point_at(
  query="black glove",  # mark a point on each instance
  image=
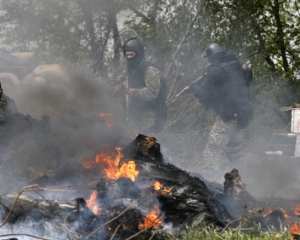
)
(196, 90)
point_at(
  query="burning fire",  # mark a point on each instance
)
(152, 219)
(269, 211)
(286, 216)
(297, 210)
(111, 165)
(91, 202)
(157, 186)
(167, 190)
(107, 118)
(294, 229)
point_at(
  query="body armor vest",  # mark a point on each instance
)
(237, 89)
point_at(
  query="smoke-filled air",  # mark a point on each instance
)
(139, 119)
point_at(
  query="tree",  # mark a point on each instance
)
(262, 33)
(63, 31)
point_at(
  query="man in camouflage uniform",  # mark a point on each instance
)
(224, 90)
(141, 88)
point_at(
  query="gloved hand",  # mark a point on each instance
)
(196, 90)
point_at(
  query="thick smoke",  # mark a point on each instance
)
(54, 91)
(73, 97)
(58, 124)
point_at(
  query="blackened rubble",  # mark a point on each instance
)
(45, 153)
(190, 201)
(236, 193)
(239, 201)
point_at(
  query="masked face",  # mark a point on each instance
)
(132, 58)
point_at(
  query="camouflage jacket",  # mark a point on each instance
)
(146, 80)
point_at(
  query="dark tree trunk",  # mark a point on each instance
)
(280, 33)
(262, 45)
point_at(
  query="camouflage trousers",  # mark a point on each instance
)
(139, 124)
(215, 161)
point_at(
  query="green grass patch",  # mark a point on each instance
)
(211, 233)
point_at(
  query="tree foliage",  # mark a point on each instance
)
(264, 34)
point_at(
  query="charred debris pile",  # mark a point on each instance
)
(126, 190)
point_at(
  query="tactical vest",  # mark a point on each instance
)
(238, 92)
(237, 87)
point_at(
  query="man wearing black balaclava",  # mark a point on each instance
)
(142, 89)
(224, 90)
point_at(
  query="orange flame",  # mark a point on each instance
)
(111, 168)
(294, 229)
(297, 210)
(91, 202)
(107, 118)
(286, 216)
(269, 211)
(166, 191)
(87, 164)
(157, 186)
(152, 219)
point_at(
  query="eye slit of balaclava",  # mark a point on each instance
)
(135, 61)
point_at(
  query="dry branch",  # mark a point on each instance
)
(112, 237)
(138, 233)
(35, 188)
(15, 201)
(183, 40)
(240, 218)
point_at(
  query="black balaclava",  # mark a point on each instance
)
(135, 61)
(135, 45)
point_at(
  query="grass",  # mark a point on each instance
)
(233, 234)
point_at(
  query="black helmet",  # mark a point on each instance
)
(136, 45)
(214, 52)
